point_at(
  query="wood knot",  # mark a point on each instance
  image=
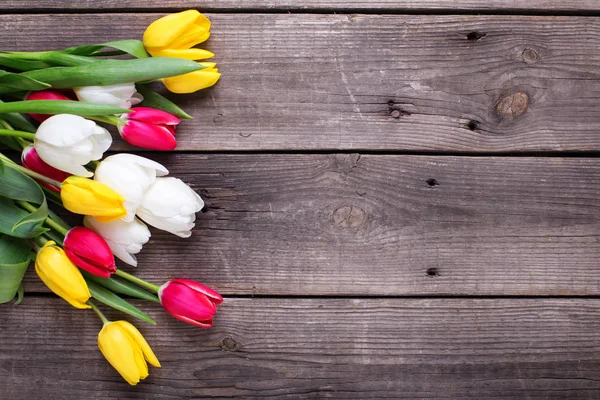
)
(530, 56)
(511, 106)
(228, 344)
(349, 217)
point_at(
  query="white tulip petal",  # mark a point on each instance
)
(65, 130)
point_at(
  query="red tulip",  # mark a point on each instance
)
(48, 94)
(150, 128)
(190, 301)
(32, 161)
(89, 251)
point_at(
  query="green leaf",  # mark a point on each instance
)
(35, 218)
(20, 81)
(107, 297)
(119, 285)
(6, 60)
(10, 142)
(13, 221)
(18, 121)
(15, 257)
(60, 107)
(18, 186)
(111, 72)
(133, 47)
(155, 100)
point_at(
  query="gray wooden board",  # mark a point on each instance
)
(345, 224)
(386, 82)
(318, 348)
(396, 5)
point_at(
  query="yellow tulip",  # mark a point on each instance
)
(88, 197)
(62, 276)
(197, 80)
(174, 36)
(126, 350)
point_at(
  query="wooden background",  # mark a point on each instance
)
(402, 202)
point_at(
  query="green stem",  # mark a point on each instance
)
(98, 312)
(111, 120)
(28, 172)
(49, 221)
(38, 242)
(137, 281)
(10, 132)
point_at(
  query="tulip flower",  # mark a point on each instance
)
(121, 95)
(126, 350)
(130, 176)
(170, 205)
(174, 36)
(32, 161)
(149, 128)
(193, 81)
(48, 94)
(124, 238)
(68, 142)
(190, 301)
(88, 197)
(89, 251)
(61, 276)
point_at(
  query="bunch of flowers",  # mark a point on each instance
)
(61, 97)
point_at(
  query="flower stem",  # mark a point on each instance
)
(49, 221)
(111, 120)
(137, 281)
(28, 172)
(21, 134)
(98, 312)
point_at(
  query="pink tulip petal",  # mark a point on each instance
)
(148, 136)
(197, 286)
(45, 95)
(153, 116)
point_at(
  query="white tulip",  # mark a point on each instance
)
(130, 176)
(124, 238)
(122, 95)
(170, 205)
(68, 142)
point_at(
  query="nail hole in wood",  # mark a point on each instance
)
(473, 125)
(432, 182)
(432, 272)
(475, 35)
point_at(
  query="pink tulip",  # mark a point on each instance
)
(48, 94)
(190, 301)
(89, 251)
(32, 161)
(149, 128)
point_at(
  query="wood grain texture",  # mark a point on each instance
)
(347, 224)
(319, 348)
(332, 5)
(386, 82)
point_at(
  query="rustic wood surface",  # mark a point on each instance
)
(401, 202)
(346, 224)
(304, 5)
(319, 348)
(375, 82)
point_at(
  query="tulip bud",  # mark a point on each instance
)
(89, 251)
(121, 95)
(126, 350)
(149, 128)
(170, 205)
(190, 301)
(48, 94)
(68, 142)
(32, 161)
(88, 197)
(61, 276)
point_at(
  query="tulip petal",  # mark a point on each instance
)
(153, 115)
(166, 29)
(148, 136)
(191, 82)
(200, 324)
(119, 349)
(188, 54)
(199, 287)
(141, 342)
(84, 196)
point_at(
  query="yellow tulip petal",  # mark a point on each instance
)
(190, 38)
(188, 54)
(192, 82)
(166, 29)
(119, 350)
(61, 276)
(84, 196)
(141, 342)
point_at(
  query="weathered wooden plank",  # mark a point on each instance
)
(388, 82)
(386, 225)
(332, 5)
(319, 348)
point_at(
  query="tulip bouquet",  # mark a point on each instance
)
(57, 100)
